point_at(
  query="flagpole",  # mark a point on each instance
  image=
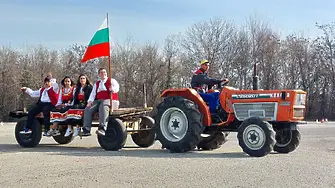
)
(109, 57)
(110, 70)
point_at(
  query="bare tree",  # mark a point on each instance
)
(241, 64)
(8, 86)
(209, 40)
(293, 63)
(171, 50)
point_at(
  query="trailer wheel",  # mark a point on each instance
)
(28, 140)
(61, 139)
(256, 137)
(178, 124)
(115, 137)
(145, 138)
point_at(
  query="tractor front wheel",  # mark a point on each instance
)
(256, 137)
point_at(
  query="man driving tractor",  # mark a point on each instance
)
(202, 83)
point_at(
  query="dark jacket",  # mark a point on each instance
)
(87, 91)
(202, 82)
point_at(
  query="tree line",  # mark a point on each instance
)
(289, 62)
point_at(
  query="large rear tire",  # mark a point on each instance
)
(178, 124)
(287, 140)
(256, 137)
(145, 138)
(28, 140)
(115, 135)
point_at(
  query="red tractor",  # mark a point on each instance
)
(264, 120)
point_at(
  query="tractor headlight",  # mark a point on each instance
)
(300, 99)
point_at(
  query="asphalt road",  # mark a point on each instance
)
(83, 163)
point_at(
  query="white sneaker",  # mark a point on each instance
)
(100, 131)
(50, 132)
(53, 132)
(76, 131)
(25, 131)
(68, 132)
(56, 133)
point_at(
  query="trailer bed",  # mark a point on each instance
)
(121, 112)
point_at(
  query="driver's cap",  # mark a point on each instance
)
(204, 62)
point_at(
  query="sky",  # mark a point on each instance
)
(57, 24)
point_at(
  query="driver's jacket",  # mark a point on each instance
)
(202, 82)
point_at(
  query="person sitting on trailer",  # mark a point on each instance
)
(81, 95)
(48, 97)
(99, 100)
(65, 101)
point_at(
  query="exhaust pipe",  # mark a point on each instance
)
(255, 79)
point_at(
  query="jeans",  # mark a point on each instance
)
(212, 99)
(44, 107)
(98, 105)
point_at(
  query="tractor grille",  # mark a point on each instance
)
(298, 112)
(267, 110)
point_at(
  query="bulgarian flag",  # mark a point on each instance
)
(99, 45)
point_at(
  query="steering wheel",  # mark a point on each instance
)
(222, 84)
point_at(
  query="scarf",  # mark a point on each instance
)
(102, 86)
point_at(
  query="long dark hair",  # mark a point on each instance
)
(87, 89)
(78, 85)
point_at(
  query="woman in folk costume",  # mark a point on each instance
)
(76, 112)
(65, 101)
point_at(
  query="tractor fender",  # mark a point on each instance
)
(192, 95)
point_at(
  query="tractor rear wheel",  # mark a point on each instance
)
(287, 140)
(213, 141)
(256, 137)
(145, 138)
(178, 124)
